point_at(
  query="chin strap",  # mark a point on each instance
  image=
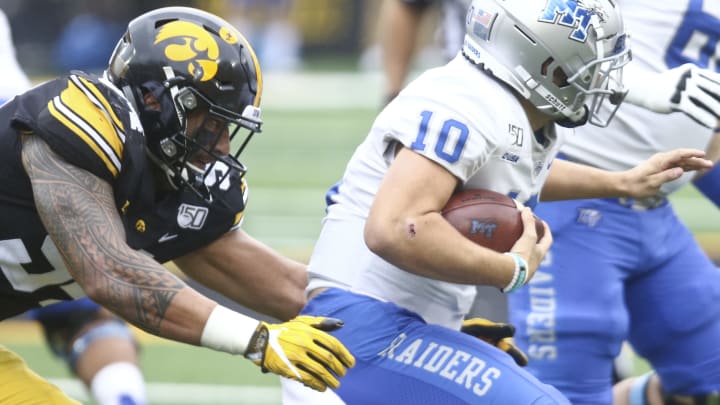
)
(580, 119)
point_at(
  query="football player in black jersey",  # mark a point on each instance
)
(104, 178)
(99, 348)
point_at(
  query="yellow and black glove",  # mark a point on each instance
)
(301, 350)
(497, 334)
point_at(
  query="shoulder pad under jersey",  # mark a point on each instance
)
(86, 121)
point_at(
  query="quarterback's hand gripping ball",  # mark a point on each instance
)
(301, 350)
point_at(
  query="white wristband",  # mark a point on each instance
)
(228, 331)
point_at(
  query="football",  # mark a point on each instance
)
(487, 218)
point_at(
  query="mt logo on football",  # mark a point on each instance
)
(488, 218)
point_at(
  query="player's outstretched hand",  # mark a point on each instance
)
(645, 179)
(497, 334)
(300, 349)
(686, 88)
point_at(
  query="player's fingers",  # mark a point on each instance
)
(684, 159)
(695, 163)
(528, 220)
(518, 355)
(547, 234)
(708, 75)
(327, 324)
(703, 107)
(709, 82)
(700, 116)
(658, 179)
(321, 370)
(487, 330)
(311, 380)
(707, 98)
(527, 240)
(543, 245)
(334, 354)
(325, 342)
(673, 157)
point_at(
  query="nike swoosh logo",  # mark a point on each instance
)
(274, 343)
(167, 237)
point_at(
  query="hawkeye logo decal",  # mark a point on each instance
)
(189, 42)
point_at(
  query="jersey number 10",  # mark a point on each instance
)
(452, 131)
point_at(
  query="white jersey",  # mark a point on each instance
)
(13, 80)
(465, 121)
(635, 133)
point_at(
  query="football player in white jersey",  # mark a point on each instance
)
(629, 268)
(399, 275)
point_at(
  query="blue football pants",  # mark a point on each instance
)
(403, 360)
(614, 274)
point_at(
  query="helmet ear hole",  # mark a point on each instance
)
(545, 65)
(560, 78)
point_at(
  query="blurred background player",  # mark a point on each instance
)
(161, 98)
(268, 25)
(401, 24)
(88, 38)
(14, 79)
(629, 268)
(98, 347)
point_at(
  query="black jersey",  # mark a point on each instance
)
(88, 122)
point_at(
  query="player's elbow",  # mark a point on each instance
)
(290, 307)
(379, 236)
(97, 293)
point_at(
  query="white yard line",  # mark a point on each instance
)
(195, 394)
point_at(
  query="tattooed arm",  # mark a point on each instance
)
(250, 273)
(79, 213)
(80, 216)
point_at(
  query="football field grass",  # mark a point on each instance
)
(300, 153)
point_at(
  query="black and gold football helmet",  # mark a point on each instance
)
(190, 59)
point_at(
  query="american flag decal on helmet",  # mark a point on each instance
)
(481, 21)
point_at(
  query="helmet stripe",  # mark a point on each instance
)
(258, 73)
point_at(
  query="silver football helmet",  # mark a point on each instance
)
(564, 56)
